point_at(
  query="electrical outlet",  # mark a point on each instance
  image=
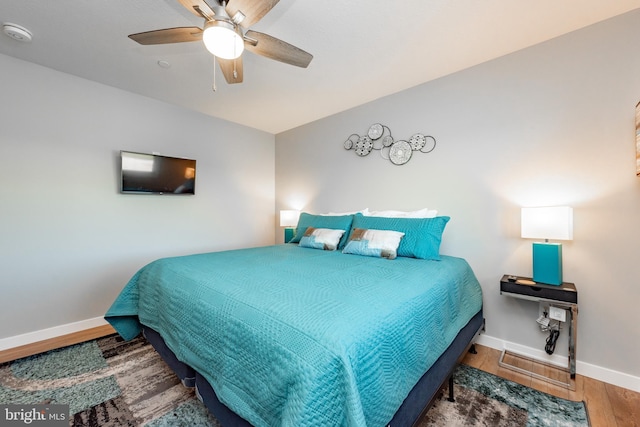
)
(543, 309)
(559, 314)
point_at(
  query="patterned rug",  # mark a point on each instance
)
(483, 399)
(109, 382)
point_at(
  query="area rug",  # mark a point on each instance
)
(483, 399)
(110, 382)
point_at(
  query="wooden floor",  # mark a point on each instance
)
(53, 343)
(607, 405)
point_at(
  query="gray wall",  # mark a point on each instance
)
(549, 125)
(68, 240)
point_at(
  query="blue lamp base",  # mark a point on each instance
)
(547, 263)
(288, 234)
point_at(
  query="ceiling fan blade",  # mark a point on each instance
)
(198, 8)
(274, 48)
(168, 35)
(253, 10)
(232, 69)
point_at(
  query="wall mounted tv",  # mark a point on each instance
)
(154, 174)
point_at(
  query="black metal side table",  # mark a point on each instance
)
(564, 296)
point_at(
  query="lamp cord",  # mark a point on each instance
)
(551, 341)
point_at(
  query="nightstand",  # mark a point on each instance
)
(564, 296)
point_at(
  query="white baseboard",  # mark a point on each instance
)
(599, 373)
(45, 334)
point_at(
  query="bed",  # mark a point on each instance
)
(291, 335)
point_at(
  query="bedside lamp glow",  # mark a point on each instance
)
(554, 223)
(289, 220)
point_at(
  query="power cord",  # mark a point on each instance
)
(551, 341)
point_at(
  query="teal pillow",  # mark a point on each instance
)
(422, 236)
(342, 222)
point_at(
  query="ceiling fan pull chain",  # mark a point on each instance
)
(215, 88)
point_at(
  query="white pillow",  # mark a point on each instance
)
(375, 243)
(364, 211)
(321, 238)
(422, 213)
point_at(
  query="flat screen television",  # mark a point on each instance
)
(154, 174)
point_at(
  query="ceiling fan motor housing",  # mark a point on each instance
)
(223, 38)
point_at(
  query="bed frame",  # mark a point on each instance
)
(416, 404)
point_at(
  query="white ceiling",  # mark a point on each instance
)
(363, 49)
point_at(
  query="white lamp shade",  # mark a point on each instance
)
(554, 223)
(223, 40)
(289, 218)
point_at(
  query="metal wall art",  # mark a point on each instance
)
(397, 152)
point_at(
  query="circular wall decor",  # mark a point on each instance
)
(379, 138)
(430, 144)
(363, 146)
(400, 152)
(417, 141)
(375, 131)
(387, 141)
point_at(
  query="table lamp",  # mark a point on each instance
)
(554, 223)
(289, 220)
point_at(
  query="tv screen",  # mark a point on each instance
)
(154, 174)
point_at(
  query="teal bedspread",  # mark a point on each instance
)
(294, 336)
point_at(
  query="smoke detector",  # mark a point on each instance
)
(17, 32)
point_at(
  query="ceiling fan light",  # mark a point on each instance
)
(222, 39)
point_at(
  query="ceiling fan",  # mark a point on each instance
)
(226, 35)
